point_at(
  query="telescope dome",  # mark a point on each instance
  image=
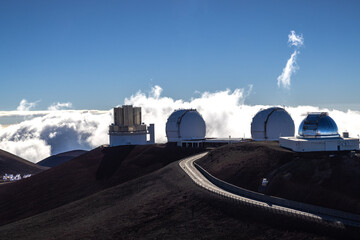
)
(185, 124)
(318, 125)
(272, 123)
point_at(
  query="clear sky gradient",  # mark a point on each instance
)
(95, 53)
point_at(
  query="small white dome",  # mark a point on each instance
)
(185, 124)
(271, 124)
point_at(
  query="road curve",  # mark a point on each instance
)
(188, 166)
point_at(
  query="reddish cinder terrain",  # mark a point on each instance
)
(82, 176)
(327, 179)
(60, 158)
(12, 164)
(134, 192)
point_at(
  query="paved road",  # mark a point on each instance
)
(188, 166)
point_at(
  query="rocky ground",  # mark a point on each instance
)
(60, 158)
(165, 204)
(327, 179)
(12, 164)
(133, 193)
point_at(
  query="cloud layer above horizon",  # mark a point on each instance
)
(43, 133)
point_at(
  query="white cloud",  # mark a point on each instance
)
(295, 40)
(33, 149)
(26, 106)
(56, 132)
(221, 110)
(224, 112)
(59, 106)
(284, 80)
(156, 91)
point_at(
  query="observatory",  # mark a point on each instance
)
(185, 124)
(271, 123)
(128, 129)
(319, 132)
(187, 128)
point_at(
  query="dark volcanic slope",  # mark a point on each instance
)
(326, 179)
(60, 158)
(165, 204)
(12, 164)
(87, 174)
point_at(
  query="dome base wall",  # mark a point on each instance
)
(319, 145)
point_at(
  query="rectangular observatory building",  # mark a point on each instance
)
(314, 145)
(319, 132)
(128, 129)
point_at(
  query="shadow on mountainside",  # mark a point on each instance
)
(164, 204)
(82, 176)
(12, 164)
(321, 178)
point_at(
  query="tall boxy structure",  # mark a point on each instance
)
(128, 129)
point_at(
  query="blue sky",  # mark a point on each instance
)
(95, 53)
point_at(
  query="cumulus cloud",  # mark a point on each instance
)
(56, 132)
(284, 80)
(221, 109)
(225, 113)
(156, 92)
(295, 40)
(60, 106)
(26, 106)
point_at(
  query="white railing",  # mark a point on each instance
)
(272, 204)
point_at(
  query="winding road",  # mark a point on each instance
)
(188, 166)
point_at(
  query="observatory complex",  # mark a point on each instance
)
(128, 129)
(272, 123)
(319, 132)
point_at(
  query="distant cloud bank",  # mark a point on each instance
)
(43, 133)
(284, 80)
(60, 106)
(26, 106)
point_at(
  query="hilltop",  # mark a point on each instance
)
(82, 176)
(164, 204)
(133, 192)
(12, 164)
(321, 178)
(60, 158)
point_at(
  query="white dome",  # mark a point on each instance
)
(185, 124)
(272, 123)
